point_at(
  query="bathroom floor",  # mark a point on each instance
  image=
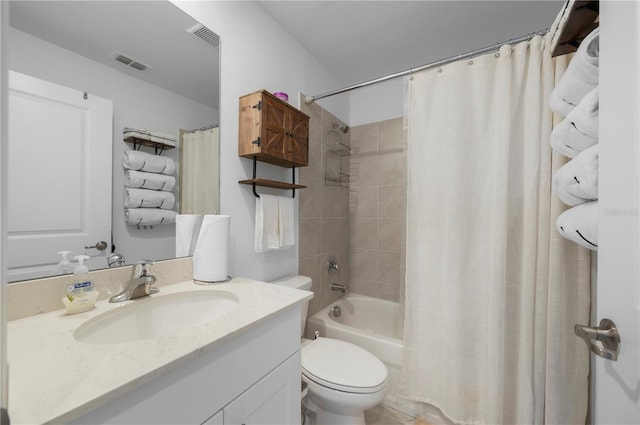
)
(382, 415)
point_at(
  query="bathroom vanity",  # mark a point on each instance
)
(242, 366)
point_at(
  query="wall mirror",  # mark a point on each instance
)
(157, 67)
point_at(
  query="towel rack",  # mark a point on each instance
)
(272, 183)
(138, 143)
(582, 18)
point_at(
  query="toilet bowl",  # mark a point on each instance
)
(342, 379)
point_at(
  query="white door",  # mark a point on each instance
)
(59, 196)
(617, 383)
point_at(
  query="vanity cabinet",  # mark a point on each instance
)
(272, 131)
(252, 378)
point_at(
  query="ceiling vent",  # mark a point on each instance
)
(205, 34)
(130, 62)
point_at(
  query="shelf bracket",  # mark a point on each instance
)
(254, 184)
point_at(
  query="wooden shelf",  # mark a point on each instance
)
(156, 145)
(582, 19)
(272, 183)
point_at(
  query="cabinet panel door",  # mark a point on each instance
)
(217, 419)
(274, 117)
(274, 400)
(299, 138)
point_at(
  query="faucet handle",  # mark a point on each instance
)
(141, 268)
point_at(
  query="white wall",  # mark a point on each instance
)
(135, 104)
(256, 53)
(379, 102)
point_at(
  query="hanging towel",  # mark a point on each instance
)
(576, 182)
(153, 181)
(267, 235)
(153, 136)
(145, 198)
(580, 225)
(579, 130)
(286, 222)
(149, 216)
(142, 161)
(580, 77)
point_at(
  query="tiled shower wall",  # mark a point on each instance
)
(377, 209)
(324, 212)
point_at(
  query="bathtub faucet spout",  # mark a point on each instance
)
(339, 287)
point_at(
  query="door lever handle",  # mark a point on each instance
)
(603, 340)
(100, 246)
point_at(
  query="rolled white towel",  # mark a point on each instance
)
(152, 181)
(149, 216)
(580, 225)
(580, 78)
(154, 136)
(576, 182)
(579, 130)
(142, 161)
(145, 198)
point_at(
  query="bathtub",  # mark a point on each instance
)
(376, 326)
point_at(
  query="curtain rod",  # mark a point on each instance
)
(206, 127)
(310, 99)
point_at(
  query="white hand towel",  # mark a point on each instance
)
(211, 252)
(286, 222)
(579, 130)
(580, 225)
(145, 198)
(154, 136)
(576, 182)
(580, 78)
(267, 234)
(149, 216)
(152, 181)
(187, 231)
(142, 161)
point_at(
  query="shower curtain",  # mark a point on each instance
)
(200, 172)
(492, 290)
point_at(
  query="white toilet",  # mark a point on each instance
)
(343, 379)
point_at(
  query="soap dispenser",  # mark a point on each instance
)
(82, 293)
(64, 266)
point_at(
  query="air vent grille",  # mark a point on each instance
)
(205, 34)
(130, 62)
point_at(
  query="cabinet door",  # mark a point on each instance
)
(274, 400)
(217, 419)
(274, 121)
(298, 129)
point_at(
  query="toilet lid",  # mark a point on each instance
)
(343, 366)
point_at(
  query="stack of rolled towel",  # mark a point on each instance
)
(575, 97)
(147, 194)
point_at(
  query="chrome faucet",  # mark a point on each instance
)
(339, 287)
(139, 284)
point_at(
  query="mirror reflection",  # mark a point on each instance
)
(85, 76)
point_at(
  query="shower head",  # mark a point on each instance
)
(342, 127)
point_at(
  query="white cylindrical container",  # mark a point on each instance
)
(210, 257)
(187, 231)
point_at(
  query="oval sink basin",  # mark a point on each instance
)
(157, 315)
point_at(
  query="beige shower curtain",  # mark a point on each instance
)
(492, 290)
(200, 171)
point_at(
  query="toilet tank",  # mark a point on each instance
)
(297, 282)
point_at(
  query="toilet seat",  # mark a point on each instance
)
(342, 366)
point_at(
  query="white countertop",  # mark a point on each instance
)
(55, 378)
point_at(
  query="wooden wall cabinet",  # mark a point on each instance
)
(273, 131)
